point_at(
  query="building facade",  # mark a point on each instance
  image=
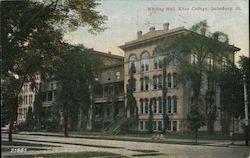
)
(109, 94)
(142, 53)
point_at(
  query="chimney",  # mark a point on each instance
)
(151, 29)
(139, 34)
(166, 27)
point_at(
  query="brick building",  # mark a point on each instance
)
(148, 74)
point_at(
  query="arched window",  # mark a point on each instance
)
(169, 101)
(144, 62)
(142, 84)
(141, 106)
(146, 106)
(132, 63)
(175, 103)
(155, 82)
(156, 60)
(210, 63)
(174, 80)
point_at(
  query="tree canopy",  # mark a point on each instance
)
(32, 34)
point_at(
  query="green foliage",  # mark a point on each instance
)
(75, 77)
(131, 102)
(150, 118)
(196, 117)
(232, 91)
(32, 33)
(199, 43)
(9, 96)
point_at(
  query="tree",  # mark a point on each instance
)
(29, 119)
(38, 108)
(194, 44)
(131, 102)
(32, 32)
(75, 76)
(232, 105)
(196, 119)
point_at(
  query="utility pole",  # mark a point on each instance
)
(246, 109)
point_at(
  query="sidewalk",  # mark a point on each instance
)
(144, 139)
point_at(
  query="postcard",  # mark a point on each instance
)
(125, 78)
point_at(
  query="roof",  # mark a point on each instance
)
(159, 34)
(107, 54)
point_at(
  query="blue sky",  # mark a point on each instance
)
(126, 17)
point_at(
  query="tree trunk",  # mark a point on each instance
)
(196, 136)
(164, 97)
(14, 109)
(65, 121)
(13, 117)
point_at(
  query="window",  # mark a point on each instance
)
(159, 125)
(141, 125)
(118, 75)
(194, 59)
(141, 106)
(169, 105)
(154, 125)
(146, 106)
(50, 97)
(132, 63)
(169, 80)
(133, 84)
(174, 125)
(142, 84)
(108, 112)
(44, 97)
(26, 99)
(29, 102)
(210, 63)
(30, 88)
(52, 86)
(109, 76)
(174, 80)
(175, 103)
(146, 83)
(144, 62)
(210, 84)
(160, 105)
(154, 105)
(146, 125)
(169, 125)
(156, 60)
(155, 82)
(160, 81)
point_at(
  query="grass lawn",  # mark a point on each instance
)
(144, 151)
(73, 155)
(201, 135)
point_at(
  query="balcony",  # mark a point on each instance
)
(100, 99)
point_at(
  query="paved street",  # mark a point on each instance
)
(128, 148)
